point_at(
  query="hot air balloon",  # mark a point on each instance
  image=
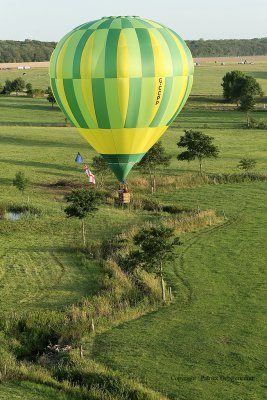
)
(121, 81)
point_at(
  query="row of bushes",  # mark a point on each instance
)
(182, 181)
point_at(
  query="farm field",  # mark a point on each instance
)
(209, 340)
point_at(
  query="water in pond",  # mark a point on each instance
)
(13, 216)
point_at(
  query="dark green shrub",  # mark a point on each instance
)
(149, 204)
(173, 209)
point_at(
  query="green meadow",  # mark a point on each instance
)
(208, 342)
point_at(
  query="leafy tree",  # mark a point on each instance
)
(247, 105)
(20, 181)
(38, 93)
(29, 89)
(231, 89)
(50, 96)
(198, 146)
(7, 87)
(100, 166)
(17, 85)
(237, 85)
(153, 159)
(247, 164)
(82, 202)
(156, 247)
(250, 86)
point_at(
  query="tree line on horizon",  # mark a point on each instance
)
(34, 50)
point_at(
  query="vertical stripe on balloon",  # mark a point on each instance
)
(116, 24)
(177, 93)
(100, 104)
(111, 53)
(112, 100)
(62, 96)
(157, 120)
(56, 94)
(159, 87)
(69, 55)
(60, 58)
(126, 23)
(105, 24)
(77, 58)
(123, 96)
(185, 66)
(177, 62)
(89, 25)
(98, 54)
(159, 56)
(187, 52)
(147, 56)
(73, 104)
(146, 102)
(86, 58)
(134, 102)
(123, 62)
(152, 23)
(83, 104)
(55, 54)
(162, 56)
(186, 94)
(89, 100)
(135, 64)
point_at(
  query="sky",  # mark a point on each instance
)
(49, 20)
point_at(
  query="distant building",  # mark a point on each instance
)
(24, 67)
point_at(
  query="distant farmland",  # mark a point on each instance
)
(231, 60)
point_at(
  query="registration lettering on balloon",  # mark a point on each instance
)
(159, 91)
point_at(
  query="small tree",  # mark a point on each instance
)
(82, 202)
(156, 248)
(29, 89)
(231, 88)
(20, 181)
(198, 146)
(246, 164)
(50, 96)
(247, 105)
(100, 167)
(237, 85)
(7, 89)
(17, 85)
(153, 159)
(38, 93)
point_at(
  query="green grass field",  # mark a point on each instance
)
(30, 391)
(209, 342)
(214, 332)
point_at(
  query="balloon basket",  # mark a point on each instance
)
(124, 198)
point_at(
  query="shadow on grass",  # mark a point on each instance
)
(5, 181)
(259, 74)
(206, 99)
(22, 141)
(31, 107)
(39, 165)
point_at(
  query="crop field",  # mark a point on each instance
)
(208, 342)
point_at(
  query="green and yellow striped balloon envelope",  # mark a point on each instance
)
(121, 81)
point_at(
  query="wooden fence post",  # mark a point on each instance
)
(81, 351)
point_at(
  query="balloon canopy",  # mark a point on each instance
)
(121, 81)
